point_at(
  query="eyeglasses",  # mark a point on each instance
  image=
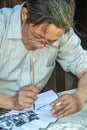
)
(37, 39)
(45, 44)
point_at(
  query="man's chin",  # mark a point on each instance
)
(31, 48)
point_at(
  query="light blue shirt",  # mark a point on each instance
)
(16, 60)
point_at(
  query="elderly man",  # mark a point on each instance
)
(32, 37)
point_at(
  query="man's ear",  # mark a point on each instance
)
(24, 14)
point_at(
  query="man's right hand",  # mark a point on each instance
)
(25, 97)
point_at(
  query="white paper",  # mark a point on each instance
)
(40, 123)
(29, 119)
(29, 126)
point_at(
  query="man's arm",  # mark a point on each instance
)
(6, 101)
(24, 99)
(82, 86)
(71, 103)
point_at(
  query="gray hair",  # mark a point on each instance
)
(59, 12)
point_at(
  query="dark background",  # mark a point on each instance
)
(81, 20)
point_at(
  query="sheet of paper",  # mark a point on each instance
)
(29, 126)
(28, 118)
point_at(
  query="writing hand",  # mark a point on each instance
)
(25, 97)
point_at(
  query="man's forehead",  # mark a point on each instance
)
(52, 32)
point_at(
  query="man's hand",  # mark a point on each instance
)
(25, 98)
(66, 104)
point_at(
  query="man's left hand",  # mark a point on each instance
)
(66, 104)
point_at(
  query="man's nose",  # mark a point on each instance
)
(44, 41)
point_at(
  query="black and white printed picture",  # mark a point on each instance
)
(9, 121)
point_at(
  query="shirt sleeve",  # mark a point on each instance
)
(2, 26)
(71, 56)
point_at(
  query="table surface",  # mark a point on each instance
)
(77, 121)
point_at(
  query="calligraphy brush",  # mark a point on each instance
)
(33, 76)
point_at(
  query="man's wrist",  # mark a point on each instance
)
(81, 97)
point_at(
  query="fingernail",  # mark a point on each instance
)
(54, 115)
(53, 111)
(52, 104)
(60, 116)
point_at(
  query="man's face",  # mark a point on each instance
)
(37, 37)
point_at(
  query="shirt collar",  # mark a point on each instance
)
(14, 29)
